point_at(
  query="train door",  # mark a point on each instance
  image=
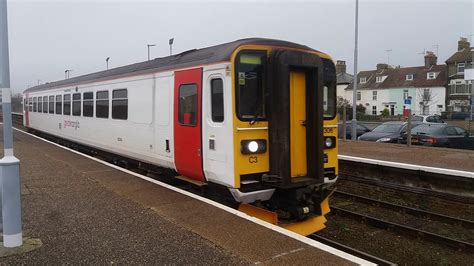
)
(26, 105)
(187, 123)
(298, 123)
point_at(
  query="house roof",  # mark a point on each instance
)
(213, 54)
(396, 78)
(344, 78)
(461, 56)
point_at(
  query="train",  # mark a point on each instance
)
(255, 119)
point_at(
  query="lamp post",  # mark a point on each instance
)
(67, 72)
(354, 89)
(107, 61)
(9, 164)
(148, 47)
(388, 56)
(170, 42)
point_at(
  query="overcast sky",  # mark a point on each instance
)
(48, 37)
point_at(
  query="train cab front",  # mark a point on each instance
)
(285, 135)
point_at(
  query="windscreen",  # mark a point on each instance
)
(388, 128)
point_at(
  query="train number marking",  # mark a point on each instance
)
(329, 130)
(253, 159)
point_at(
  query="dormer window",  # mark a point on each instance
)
(461, 67)
(409, 77)
(431, 75)
(380, 79)
(363, 80)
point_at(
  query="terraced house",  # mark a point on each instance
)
(387, 88)
(459, 90)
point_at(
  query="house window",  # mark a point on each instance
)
(409, 77)
(88, 104)
(363, 80)
(120, 104)
(405, 94)
(51, 104)
(59, 104)
(379, 79)
(374, 110)
(431, 75)
(461, 67)
(359, 96)
(374, 95)
(67, 104)
(217, 100)
(102, 104)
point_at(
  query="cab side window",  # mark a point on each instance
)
(217, 100)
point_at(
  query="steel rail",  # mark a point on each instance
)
(350, 250)
(379, 223)
(405, 209)
(415, 190)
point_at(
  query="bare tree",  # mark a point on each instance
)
(426, 100)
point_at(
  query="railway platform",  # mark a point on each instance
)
(445, 158)
(89, 212)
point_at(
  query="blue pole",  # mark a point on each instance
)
(9, 164)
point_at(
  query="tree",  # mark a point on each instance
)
(385, 112)
(341, 102)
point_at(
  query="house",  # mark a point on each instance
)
(387, 88)
(459, 90)
(343, 78)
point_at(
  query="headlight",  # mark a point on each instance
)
(329, 142)
(253, 146)
(383, 140)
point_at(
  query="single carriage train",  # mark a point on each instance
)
(254, 117)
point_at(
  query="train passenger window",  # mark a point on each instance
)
(45, 104)
(67, 104)
(102, 104)
(76, 104)
(40, 104)
(51, 104)
(249, 78)
(35, 104)
(217, 100)
(119, 104)
(188, 105)
(30, 104)
(59, 104)
(88, 104)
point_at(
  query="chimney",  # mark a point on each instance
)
(463, 43)
(430, 59)
(382, 66)
(340, 67)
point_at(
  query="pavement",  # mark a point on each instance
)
(85, 212)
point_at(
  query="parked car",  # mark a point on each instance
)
(361, 129)
(428, 119)
(388, 132)
(439, 135)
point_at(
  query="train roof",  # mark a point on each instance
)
(213, 54)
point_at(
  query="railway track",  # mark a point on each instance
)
(350, 250)
(405, 229)
(408, 210)
(411, 189)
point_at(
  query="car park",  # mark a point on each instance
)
(361, 129)
(388, 132)
(440, 135)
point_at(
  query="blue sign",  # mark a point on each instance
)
(408, 101)
(472, 101)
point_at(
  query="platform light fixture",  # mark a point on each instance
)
(170, 42)
(107, 62)
(148, 48)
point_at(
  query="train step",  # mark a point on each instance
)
(192, 181)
